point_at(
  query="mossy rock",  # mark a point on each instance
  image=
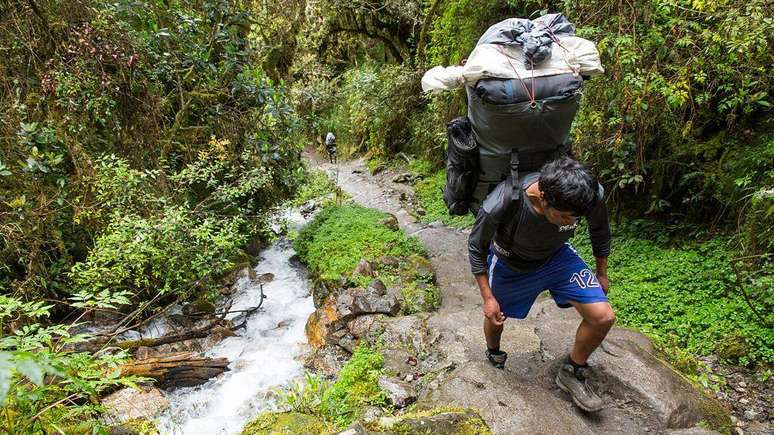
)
(199, 306)
(135, 426)
(441, 421)
(717, 416)
(732, 347)
(420, 268)
(287, 423)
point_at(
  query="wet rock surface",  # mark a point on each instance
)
(130, 404)
(399, 393)
(364, 268)
(327, 360)
(441, 354)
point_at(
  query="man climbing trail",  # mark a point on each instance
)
(518, 248)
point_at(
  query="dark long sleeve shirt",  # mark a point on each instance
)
(521, 238)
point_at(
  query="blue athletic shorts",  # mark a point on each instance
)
(565, 275)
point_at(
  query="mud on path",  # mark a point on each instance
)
(643, 394)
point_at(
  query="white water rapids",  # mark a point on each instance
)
(263, 356)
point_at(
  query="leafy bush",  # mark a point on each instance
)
(677, 117)
(355, 388)
(39, 376)
(167, 253)
(152, 85)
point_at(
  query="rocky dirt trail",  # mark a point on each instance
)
(643, 394)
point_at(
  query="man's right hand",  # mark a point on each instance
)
(492, 311)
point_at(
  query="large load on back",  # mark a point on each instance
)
(523, 82)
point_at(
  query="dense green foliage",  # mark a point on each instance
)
(680, 124)
(686, 297)
(38, 369)
(171, 92)
(370, 108)
(141, 149)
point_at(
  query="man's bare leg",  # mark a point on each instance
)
(492, 333)
(598, 318)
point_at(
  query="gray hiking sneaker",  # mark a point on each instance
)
(574, 382)
(497, 360)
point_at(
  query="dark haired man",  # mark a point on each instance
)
(519, 248)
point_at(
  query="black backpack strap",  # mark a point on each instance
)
(514, 175)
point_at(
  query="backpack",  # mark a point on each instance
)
(505, 132)
(512, 125)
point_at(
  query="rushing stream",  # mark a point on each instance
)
(264, 355)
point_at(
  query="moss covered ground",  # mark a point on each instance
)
(683, 296)
(340, 236)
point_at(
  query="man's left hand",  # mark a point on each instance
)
(604, 281)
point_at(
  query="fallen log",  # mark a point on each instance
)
(182, 369)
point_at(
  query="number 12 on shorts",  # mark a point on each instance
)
(585, 278)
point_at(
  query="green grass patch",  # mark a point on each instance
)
(420, 167)
(340, 235)
(356, 387)
(683, 296)
(429, 195)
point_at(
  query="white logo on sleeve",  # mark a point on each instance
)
(571, 227)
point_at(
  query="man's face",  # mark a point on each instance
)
(558, 217)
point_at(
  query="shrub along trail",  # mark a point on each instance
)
(643, 393)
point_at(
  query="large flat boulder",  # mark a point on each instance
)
(627, 366)
(509, 404)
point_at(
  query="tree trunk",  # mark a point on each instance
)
(424, 30)
(182, 369)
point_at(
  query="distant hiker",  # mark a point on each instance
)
(330, 146)
(518, 248)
